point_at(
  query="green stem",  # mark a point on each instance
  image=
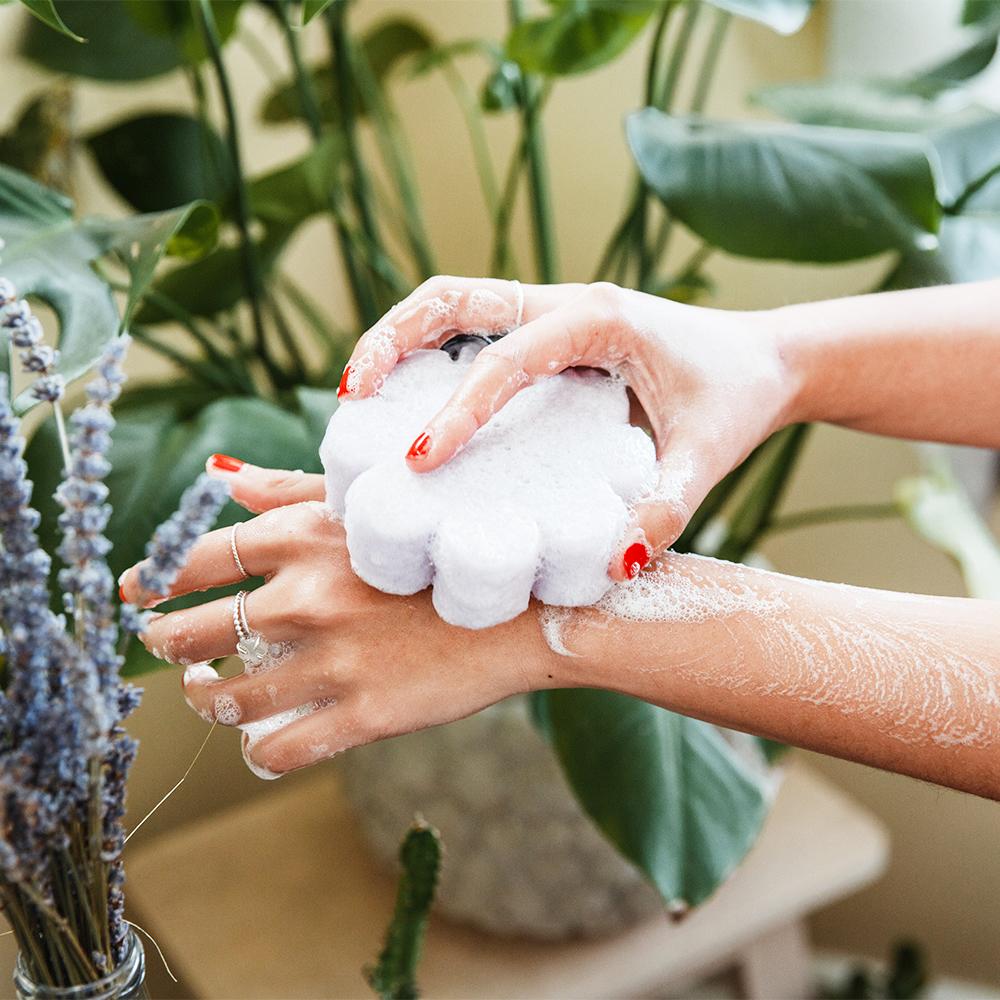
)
(200, 373)
(653, 62)
(831, 515)
(299, 373)
(531, 101)
(500, 259)
(756, 509)
(394, 151)
(361, 292)
(335, 19)
(708, 66)
(248, 252)
(678, 55)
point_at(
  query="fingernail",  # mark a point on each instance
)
(636, 556)
(121, 594)
(226, 463)
(342, 389)
(420, 447)
(200, 672)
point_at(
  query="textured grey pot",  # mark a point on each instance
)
(521, 858)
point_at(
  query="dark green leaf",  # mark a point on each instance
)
(502, 88)
(669, 792)
(51, 256)
(863, 104)
(783, 16)
(163, 436)
(981, 12)
(966, 155)
(577, 37)
(117, 47)
(45, 11)
(953, 71)
(386, 46)
(316, 406)
(178, 22)
(160, 161)
(791, 192)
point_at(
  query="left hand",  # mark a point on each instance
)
(387, 665)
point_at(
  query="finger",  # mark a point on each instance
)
(260, 489)
(250, 697)
(575, 334)
(436, 311)
(318, 736)
(207, 632)
(659, 519)
(263, 543)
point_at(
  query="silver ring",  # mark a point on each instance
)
(251, 647)
(244, 575)
(519, 314)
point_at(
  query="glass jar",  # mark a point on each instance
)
(127, 982)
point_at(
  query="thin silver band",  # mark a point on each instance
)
(251, 647)
(236, 555)
(519, 308)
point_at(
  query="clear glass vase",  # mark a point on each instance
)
(127, 982)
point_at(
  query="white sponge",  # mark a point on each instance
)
(535, 503)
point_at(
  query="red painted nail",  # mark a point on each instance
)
(342, 389)
(226, 463)
(121, 594)
(636, 556)
(420, 447)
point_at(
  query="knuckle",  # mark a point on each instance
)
(605, 294)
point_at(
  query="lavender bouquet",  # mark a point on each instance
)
(64, 754)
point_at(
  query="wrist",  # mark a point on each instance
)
(784, 328)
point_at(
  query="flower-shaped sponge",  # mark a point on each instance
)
(535, 503)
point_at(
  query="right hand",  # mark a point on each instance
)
(712, 383)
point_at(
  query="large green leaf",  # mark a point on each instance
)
(126, 39)
(981, 12)
(316, 407)
(40, 140)
(162, 438)
(577, 37)
(668, 791)
(967, 156)
(51, 256)
(800, 192)
(904, 104)
(939, 511)
(386, 46)
(160, 161)
(45, 11)
(281, 201)
(783, 16)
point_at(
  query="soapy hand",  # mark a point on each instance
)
(711, 383)
(365, 665)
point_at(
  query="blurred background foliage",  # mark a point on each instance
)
(905, 165)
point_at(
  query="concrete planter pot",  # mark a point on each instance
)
(521, 858)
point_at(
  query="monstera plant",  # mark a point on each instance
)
(903, 167)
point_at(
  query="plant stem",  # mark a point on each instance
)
(364, 301)
(500, 259)
(335, 19)
(832, 515)
(712, 51)
(394, 151)
(678, 55)
(248, 252)
(531, 99)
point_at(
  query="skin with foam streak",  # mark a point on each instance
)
(905, 683)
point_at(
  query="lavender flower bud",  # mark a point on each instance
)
(28, 334)
(8, 293)
(168, 549)
(39, 358)
(49, 388)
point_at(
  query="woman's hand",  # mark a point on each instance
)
(712, 383)
(380, 665)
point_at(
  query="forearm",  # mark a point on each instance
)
(905, 683)
(923, 363)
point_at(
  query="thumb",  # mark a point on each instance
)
(660, 517)
(260, 489)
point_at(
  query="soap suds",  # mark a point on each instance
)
(917, 681)
(254, 732)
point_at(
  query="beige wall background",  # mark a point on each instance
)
(943, 886)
